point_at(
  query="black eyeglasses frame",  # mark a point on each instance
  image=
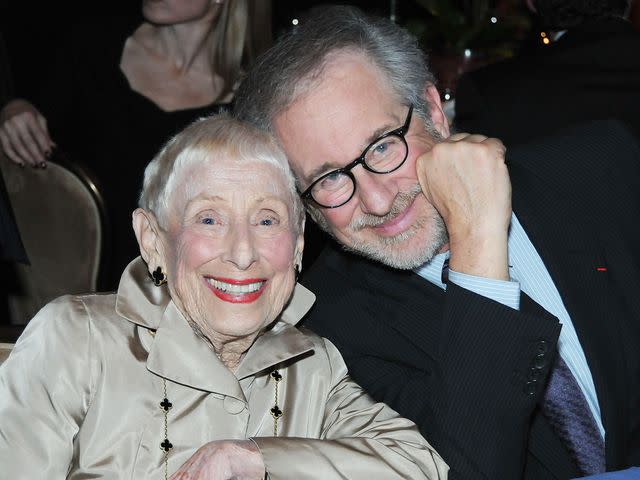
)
(398, 132)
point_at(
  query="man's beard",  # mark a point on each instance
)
(389, 250)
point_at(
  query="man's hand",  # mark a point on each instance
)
(466, 180)
(223, 460)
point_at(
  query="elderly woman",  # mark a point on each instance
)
(198, 348)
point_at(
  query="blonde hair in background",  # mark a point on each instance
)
(242, 32)
(206, 140)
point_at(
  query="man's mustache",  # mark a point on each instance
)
(400, 204)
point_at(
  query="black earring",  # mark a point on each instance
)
(159, 278)
(296, 268)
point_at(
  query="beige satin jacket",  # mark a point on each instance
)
(80, 397)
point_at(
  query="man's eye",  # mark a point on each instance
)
(208, 221)
(333, 180)
(381, 148)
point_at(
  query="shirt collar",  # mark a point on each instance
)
(177, 353)
(432, 270)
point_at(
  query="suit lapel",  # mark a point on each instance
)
(410, 306)
(413, 306)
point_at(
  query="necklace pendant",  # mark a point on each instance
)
(166, 445)
(166, 404)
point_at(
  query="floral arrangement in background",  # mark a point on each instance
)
(461, 35)
(453, 26)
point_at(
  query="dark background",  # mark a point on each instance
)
(31, 30)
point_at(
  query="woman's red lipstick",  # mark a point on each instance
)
(217, 286)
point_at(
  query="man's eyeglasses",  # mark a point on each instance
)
(384, 155)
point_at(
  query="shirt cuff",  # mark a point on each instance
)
(505, 292)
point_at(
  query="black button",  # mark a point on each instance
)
(530, 387)
(533, 375)
(539, 362)
(542, 347)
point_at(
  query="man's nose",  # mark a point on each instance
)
(375, 192)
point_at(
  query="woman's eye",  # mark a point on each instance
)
(269, 221)
(267, 218)
(208, 221)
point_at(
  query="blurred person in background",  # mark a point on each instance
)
(585, 67)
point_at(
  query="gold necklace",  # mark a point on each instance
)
(166, 405)
(166, 445)
(276, 413)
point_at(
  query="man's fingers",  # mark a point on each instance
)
(478, 138)
(467, 137)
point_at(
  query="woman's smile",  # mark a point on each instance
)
(236, 290)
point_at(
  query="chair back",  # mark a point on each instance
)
(61, 218)
(5, 350)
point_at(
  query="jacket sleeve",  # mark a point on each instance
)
(44, 393)
(360, 439)
(475, 400)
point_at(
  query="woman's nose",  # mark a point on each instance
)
(241, 249)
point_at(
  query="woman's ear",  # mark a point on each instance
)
(148, 234)
(438, 117)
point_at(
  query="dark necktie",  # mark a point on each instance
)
(567, 410)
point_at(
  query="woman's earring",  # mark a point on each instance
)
(296, 268)
(159, 277)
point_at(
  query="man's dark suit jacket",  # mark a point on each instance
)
(592, 72)
(470, 371)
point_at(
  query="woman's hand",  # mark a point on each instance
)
(223, 460)
(24, 135)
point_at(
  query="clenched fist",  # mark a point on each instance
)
(466, 180)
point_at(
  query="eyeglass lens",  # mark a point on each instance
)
(383, 156)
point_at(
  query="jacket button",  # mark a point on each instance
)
(530, 387)
(533, 374)
(539, 362)
(233, 405)
(542, 347)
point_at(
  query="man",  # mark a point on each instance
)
(591, 71)
(469, 352)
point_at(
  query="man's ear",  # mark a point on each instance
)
(148, 234)
(439, 119)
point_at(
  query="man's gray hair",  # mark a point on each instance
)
(291, 66)
(218, 136)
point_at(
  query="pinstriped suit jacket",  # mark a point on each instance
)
(461, 365)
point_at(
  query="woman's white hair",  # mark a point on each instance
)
(203, 141)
